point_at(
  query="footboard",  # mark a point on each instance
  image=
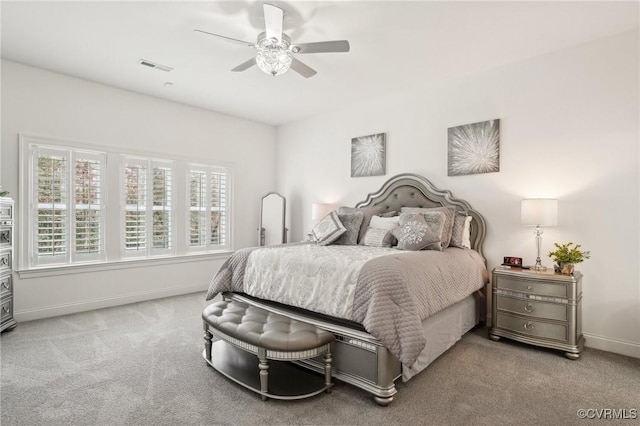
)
(358, 358)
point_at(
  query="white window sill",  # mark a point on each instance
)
(82, 268)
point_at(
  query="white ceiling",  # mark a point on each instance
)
(395, 46)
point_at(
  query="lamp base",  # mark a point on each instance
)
(539, 268)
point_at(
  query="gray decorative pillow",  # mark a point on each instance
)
(461, 230)
(450, 213)
(368, 213)
(414, 233)
(435, 220)
(392, 213)
(352, 222)
(328, 229)
(375, 237)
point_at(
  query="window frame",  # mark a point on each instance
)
(112, 200)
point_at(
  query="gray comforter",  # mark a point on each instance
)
(392, 293)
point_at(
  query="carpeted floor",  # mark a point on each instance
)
(141, 364)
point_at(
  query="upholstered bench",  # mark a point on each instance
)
(243, 330)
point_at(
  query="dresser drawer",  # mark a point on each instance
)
(6, 236)
(5, 261)
(6, 309)
(6, 212)
(533, 309)
(531, 327)
(543, 288)
(6, 285)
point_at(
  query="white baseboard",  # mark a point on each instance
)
(621, 347)
(88, 305)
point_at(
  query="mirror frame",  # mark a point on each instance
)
(261, 232)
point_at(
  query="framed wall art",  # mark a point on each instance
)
(368, 155)
(474, 148)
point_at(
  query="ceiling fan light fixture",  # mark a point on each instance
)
(274, 56)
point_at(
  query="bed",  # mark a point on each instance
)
(392, 311)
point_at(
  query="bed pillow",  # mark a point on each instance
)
(351, 222)
(449, 212)
(328, 229)
(435, 220)
(414, 233)
(461, 233)
(376, 237)
(368, 213)
(387, 223)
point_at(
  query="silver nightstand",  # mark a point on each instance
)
(541, 308)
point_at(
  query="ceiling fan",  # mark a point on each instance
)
(275, 51)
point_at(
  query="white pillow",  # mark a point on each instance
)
(328, 229)
(466, 234)
(387, 223)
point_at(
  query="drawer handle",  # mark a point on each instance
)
(5, 309)
(5, 237)
(5, 261)
(528, 307)
(528, 326)
(529, 287)
(6, 285)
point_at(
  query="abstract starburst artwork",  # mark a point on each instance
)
(368, 155)
(474, 148)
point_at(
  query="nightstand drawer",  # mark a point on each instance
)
(533, 309)
(6, 285)
(543, 288)
(6, 309)
(530, 327)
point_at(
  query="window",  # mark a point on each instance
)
(66, 206)
(148, 207)
(71, 219)
(207, 208)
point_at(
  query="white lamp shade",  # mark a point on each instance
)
(539, 211)
(320, 210)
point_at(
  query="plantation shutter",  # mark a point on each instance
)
(162, 209)
(148, 207)
(67, 223)
(208, 208)
(88, 206)
(218, 208)
(135, 207)
(50, 197)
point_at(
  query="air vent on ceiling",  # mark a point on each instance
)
(154, 65)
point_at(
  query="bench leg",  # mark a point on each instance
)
(207, 342)
(327, 369)
(264, 372)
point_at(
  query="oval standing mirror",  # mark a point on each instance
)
(272, 220)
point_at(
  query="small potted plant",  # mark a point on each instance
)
(566, 256)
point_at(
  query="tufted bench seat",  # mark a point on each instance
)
(269, 336)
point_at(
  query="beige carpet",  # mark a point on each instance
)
(141, 364)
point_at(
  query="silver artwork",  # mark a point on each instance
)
(474, 148)
(368, 155)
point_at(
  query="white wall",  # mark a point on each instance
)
(569, 129)
(44, 103)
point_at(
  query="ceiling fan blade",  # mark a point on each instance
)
(234, 40)
(323, 47)
(302, 69)
(243, 66)
(273, 17)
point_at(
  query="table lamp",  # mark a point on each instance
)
(539, 212)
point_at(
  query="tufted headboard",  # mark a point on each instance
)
(411, 190)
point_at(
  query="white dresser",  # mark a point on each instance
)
(6, 264)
